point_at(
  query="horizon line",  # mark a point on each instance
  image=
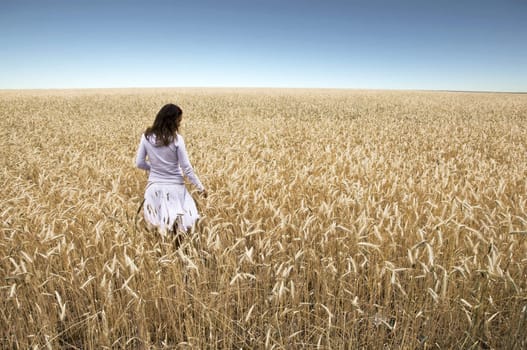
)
(260, 88)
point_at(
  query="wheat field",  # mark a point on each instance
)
(336, 219)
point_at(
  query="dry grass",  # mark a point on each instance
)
(336, 219)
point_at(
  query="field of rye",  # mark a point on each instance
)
(335, 219)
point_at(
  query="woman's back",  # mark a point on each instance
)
(164, 165)
(167, 164)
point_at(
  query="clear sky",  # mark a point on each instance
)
(368, 44)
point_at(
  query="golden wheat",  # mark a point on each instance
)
(336, 219)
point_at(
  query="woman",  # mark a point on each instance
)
(167, 205)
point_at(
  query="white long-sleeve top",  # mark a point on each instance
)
(166, 164)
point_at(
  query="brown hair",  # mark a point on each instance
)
(166, 124)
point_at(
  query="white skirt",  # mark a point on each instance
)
(167, 204)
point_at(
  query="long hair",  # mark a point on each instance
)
(166, 124)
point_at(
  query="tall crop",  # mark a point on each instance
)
(336, 219)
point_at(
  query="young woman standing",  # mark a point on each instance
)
(168, 205)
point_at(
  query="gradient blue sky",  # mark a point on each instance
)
(370, 44)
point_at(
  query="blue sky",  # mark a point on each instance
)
(370, 44)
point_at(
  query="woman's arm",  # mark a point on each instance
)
(185, 165)
(140, 159)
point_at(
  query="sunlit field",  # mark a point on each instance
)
(335, 219)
